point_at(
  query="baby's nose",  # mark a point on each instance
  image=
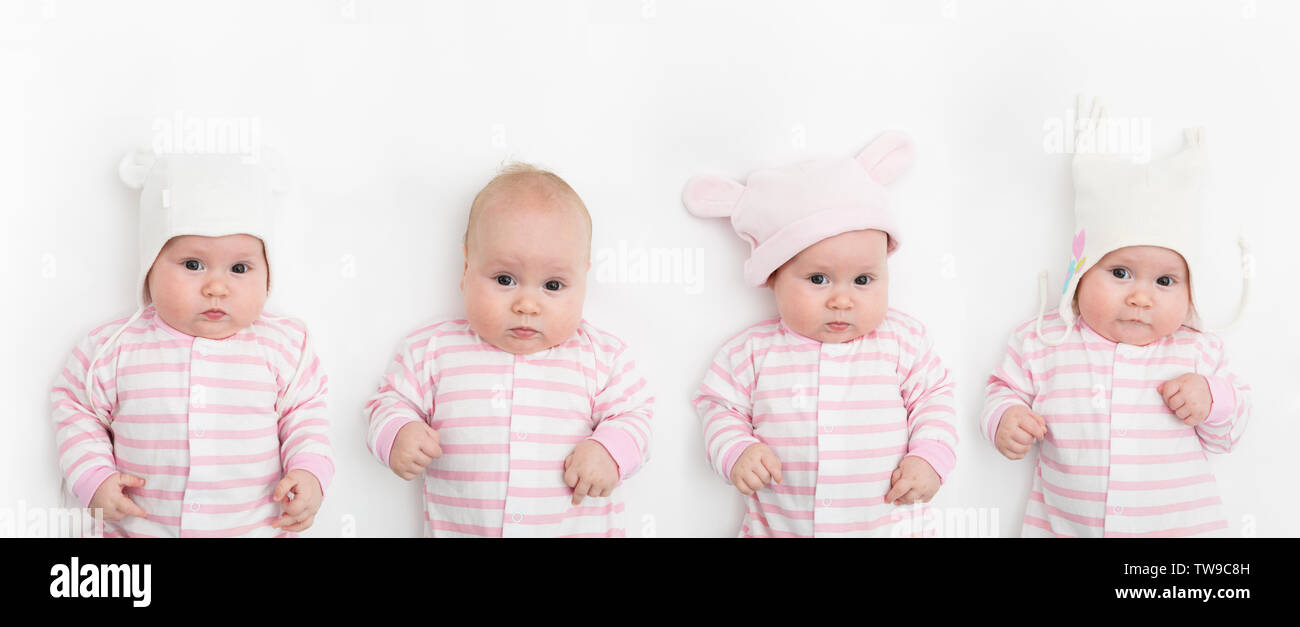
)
(525, 306)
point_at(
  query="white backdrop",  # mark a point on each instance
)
(392, 114)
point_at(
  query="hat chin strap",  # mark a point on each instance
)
(1247, 278)
(1042, 309)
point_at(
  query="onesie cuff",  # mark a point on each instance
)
(1223, 401)
(89, 482)
(733, 454)
(996, 420)
(384, 445)
(937, 454)
(318, 465)
(621, 447)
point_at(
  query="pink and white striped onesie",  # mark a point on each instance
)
(1116, 462)
(506, 422)
(209, 424)
(839, 416)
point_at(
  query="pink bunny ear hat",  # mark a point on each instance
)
(781, 211)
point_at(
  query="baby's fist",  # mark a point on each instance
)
(414, 447)
(590, 471)
(913, 481)
(1019, 428)
(755, 468)
(1188, 397)
(115, 503)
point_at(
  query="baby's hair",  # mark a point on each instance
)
(524, 176)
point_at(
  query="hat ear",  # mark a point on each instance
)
(887, 157)
(709, 196)
(277, 171)
(134, 168)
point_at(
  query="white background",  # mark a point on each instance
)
(392, 115)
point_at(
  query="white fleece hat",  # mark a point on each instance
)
(1120, 203)
(209, 195)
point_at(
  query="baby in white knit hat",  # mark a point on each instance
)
(832, 414)
(1121, 387)
(200, 415)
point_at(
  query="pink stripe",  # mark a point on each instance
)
(469, 449)
(1173, 533)
(467, 529)
(1161, 484)
(888, 451)
(232, 531)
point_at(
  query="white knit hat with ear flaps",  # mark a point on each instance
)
(1120, 203)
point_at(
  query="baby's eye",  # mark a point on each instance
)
(1120, 273)
(1165, 281)
(553, 286)
(818, 279)
(504, 279)
(862, 279)
(193, 264)
(239, 268)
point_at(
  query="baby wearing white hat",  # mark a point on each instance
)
(200, 415)
(1122, 388)
(831, 415)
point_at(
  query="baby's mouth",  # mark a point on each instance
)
(838, 326)
(214, 314)
(524, 333)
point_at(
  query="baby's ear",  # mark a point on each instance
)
(709, 196)
(887, 157)
(134, 168)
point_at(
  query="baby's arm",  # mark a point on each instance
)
(726, 413)
(85, 451)
(928, 396)
(305, 452)
(620, 444)
(1007, 421)
(1231, 398)
(400, 400)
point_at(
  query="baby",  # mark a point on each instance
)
(1121, 386)
(522, 417)
(200, 415)
(840, 401)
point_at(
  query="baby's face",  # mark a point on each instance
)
(525, 273)
(1135, 295)
(210, 287)
(836, 290)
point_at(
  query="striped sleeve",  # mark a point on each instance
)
(724, 407)
(303, 426)
(402, 396)
(1231, 397)
(927, 391)
(85, 450)
(622, 411)
(1010, 385)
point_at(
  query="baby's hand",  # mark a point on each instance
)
(113, 501)
(1019, 428)
(914, 480)
(414, 447)
(1188, 397)
(590, 471)
(299, 511)
(757, 466)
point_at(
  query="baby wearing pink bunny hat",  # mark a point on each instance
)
(831, 415)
